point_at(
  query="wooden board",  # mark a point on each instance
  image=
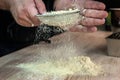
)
(77, 44)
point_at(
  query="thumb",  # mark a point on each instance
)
(40, 6)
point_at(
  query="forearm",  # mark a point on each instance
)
(4, 4)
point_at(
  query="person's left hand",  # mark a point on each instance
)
(94, 14)
(25, 11)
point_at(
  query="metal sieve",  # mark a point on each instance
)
(60, 18)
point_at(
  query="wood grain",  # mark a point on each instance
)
(76, 44)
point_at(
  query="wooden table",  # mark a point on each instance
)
(87, 44)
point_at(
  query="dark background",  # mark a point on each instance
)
(111, 3)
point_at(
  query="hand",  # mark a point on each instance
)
(24, 11)
(94, 14)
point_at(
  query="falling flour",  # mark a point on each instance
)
(80, 65)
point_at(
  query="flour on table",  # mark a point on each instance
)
(80, 65)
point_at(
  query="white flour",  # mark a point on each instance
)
(81, 65)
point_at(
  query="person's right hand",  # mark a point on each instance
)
(93, 13)
(24, 11)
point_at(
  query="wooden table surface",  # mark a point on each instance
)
(76, 44)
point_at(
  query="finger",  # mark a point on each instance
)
(91, 28)
(32, 16)
(22, 19)
(77, 28)
(94, 5)
(34, 20)
(63, 4)
(40, 6)
(95, 13)
(92, 21)
(25, 23)
(80, 28)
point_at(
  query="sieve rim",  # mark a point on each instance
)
(60, 14)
